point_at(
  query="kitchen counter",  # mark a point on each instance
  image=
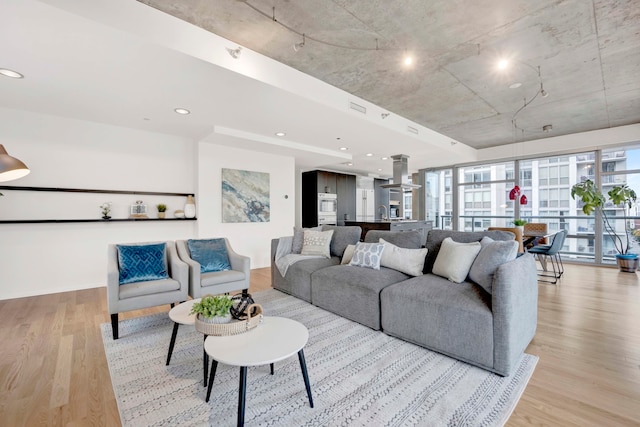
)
(393, 225)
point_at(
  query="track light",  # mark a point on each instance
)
(384, 115)
(235, 53)
(298, 46)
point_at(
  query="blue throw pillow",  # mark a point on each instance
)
(211, 254)
(140, 263)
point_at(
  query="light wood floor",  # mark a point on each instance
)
(53, 369)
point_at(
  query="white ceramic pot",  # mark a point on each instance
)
(190, 208)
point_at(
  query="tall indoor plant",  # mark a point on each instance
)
(593, 200)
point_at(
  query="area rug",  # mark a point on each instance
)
(359, 377)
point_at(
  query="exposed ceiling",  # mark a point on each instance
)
(123, 63)
(588, 52)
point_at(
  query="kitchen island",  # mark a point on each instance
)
(394, 225)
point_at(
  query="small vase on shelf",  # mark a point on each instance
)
(190, 208)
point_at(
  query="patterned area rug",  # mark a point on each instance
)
(359, 377)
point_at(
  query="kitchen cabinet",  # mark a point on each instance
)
(317, 181)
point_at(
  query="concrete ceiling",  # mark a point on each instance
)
(123, 63)
(587, 51)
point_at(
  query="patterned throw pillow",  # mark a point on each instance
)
(367, 255)
(141, 263)
(298, 238)
(211, 254)
(317, 243)
(455, 259)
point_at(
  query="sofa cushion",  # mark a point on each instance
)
(367, 255)
(343, 236)
(211, 254)
(317, 243)
(409, 261)
(403, 239)
(298, 238)
(435, 238)
(298, 280)
(348, 254)
(491, 256)
(455, 259)
(451, 318)
(353, 292)
(141, 263)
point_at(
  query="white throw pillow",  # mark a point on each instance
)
(408, 261)
(348, 254)
(317, 243)
(367, 255)
(455, 259)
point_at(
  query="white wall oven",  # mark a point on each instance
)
(327, 209)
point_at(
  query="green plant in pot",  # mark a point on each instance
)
(162, 208)
(593, 200)
(213, 309)
(519, 222)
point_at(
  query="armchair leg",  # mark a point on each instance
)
(114, 325)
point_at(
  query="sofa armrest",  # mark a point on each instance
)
(515, 311)
(193, 266)
(113, 278)
(239, 262)
(178, 270)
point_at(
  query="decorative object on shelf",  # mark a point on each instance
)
(139, 210)
(10, 167)
(106, 210)
(594, 201)
(190, 207)
(245, 196)
(162, 209)
(178, 213)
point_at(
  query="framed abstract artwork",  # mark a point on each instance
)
(245, 196)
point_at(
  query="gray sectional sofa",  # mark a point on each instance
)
(461, 320)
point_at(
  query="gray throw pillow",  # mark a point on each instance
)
(298, 238)
(491, 256)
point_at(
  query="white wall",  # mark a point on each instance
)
(251, 239)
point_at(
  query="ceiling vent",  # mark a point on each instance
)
(358, 108)
(412, 129)
(401, 174)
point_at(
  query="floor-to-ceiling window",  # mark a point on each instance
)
(474, 197)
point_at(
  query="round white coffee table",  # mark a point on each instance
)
(180, 316)
(273, 340)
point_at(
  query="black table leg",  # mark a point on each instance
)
(272, 369)
(241, 395)
(174, 334)
(205, 361)
(214, 367)
(303, 366)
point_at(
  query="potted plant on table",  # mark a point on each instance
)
(520, 224)
(162, 208)
(593, 200)
(213, 309)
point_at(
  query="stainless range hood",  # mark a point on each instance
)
(400, 174)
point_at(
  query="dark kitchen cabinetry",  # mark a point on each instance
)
(314, 182)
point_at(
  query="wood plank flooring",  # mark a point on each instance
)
(53, 370)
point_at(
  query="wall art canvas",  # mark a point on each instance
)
(245, 196)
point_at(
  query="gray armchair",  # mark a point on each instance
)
(217, 282)
(145, 294)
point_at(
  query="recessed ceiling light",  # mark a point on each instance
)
(343, 148)
(349, 164)
(10, 73)
(503, 64)
(379, 169)
(280, 134)
(515, 85)
(384, 158)
(182, 111)
(369, 154)
(408, 60)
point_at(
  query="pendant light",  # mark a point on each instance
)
(10, 167)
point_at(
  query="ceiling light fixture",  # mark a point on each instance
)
(343, 148)
(235, 53)
(280, 134)
(10, 167)
(384, 158)
(10, 73)
(547, 128)
(349, 164)
(515, 85)
(182, 111)
(408, 60)
(384, 115)
(503, 64)
(541, 92)
(369, 154)
(298, 46)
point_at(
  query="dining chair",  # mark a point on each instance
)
(551, 253)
